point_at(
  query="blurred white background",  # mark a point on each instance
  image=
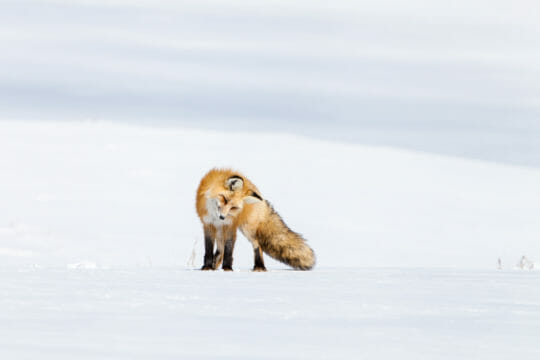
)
(111, 112)
(459, 78)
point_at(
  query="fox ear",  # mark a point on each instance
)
(234, 183)
(253, 198)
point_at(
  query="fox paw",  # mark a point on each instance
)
(259, 269)
(227, 268)
(206, 268)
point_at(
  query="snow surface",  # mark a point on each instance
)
(324, 314)
(109, 195)
(98, 234)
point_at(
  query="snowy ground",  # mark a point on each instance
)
(325, 314)
(97, 218)
(98, 222)
(119, 195)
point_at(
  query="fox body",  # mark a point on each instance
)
(227, 201)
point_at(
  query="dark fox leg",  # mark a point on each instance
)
(230, 239)
(217, 260)
(259, 262)
(218, 255)
(209, 240)
(257, 252)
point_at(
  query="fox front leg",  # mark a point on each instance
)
(228, 251)
(218, 255)
(209, 240)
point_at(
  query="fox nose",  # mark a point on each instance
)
(221, 217)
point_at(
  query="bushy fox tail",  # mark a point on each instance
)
(281, 243)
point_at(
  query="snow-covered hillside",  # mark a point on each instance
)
(457, 78)
(400, 138)
(112, 195)
(98, 222)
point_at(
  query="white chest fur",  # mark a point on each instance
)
(212, 214)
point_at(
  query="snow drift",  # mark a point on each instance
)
(123, 195)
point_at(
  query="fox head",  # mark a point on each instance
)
(229, 200)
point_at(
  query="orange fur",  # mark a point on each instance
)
(226, 201)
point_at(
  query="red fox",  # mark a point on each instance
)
(227, 200)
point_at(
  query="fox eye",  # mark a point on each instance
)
(234, 208)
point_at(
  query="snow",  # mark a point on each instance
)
(98, 239)
(82, 265)
(123, 195)
(112, 110)
(170, 313)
